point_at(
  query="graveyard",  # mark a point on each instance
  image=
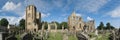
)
(76, 30)
(74, 24)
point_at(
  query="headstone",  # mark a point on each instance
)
(81, 36)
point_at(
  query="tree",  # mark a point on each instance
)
(45, 25)
(108, 26)
(64, 24)
(22, 23)
(101, 26)
(57, 23)
(4, 22)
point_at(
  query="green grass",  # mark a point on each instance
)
(103, 36)
(59, 36)
(72, 37)
(18, 37)
(55, 36)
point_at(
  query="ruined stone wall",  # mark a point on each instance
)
(77, 23)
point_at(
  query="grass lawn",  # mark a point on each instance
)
(72, 37)
(59, 36)
(55, 36)
(103, 37)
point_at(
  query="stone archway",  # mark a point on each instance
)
(52, 26)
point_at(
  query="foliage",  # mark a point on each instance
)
(64, 24)
(58, 24)
(101, 26)
(22, 23)
(18, 37)
(108, 26)
(45, 24)
(4, 22)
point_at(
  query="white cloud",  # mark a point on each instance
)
(46, 6)
(10, 6)
(17, 8)
(65, 19)
(12, 20)
(0, 10)
(115, 13)
(89, 18)
(115, 23)
(45, 15)
(90, 5)
(64, 14)
(78, 15)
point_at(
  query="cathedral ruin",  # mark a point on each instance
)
(76, 23)
(33, 18)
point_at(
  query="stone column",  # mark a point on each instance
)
(55, 27)
(49, 27)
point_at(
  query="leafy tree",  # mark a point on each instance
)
(57, 23)
(112, 27)
(64, 24)
(108, 26)
(101, 26)
(45, 25)
(4, 22)
(22, 23)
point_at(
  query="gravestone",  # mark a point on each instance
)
(81, 36)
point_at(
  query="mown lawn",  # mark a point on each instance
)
(59, 36)
(55, 36)
(72, 37)
(103, 36)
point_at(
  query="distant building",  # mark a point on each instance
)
(3, 29)
(33, 18)
(76, 23)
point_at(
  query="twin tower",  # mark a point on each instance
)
(33, 18)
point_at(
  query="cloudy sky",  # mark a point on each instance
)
(59, 10)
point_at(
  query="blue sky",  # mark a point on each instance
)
(59, 10)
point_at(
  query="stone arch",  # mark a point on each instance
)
(50, 25)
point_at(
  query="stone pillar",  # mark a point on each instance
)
(55, 27)
(43, 26)
(49, 27)
(62, 28)
(42, 30)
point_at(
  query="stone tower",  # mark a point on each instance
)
(33, 18)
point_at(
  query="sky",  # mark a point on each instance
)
(59, 10)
